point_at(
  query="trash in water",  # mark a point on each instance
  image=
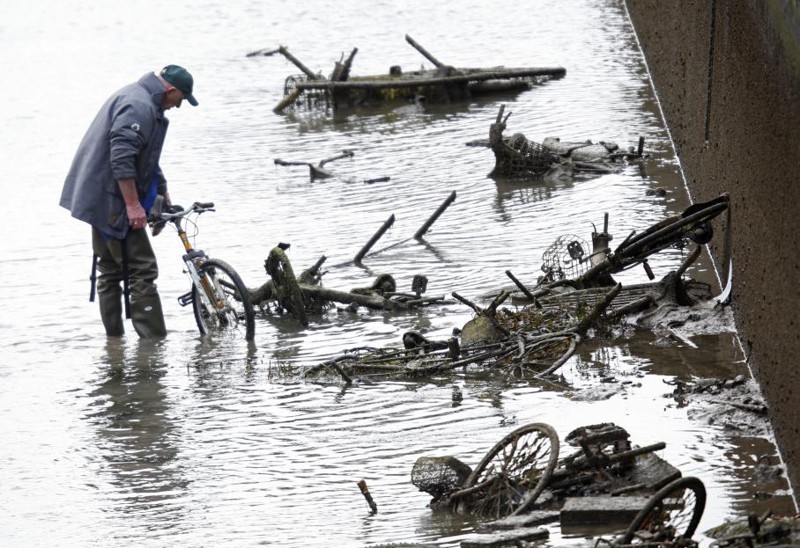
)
(444, 84)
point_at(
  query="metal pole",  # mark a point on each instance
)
(450, 199)
(360, 255)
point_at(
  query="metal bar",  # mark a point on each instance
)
(381, 231)
(424, 228)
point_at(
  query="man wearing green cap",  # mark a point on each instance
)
(114, 181)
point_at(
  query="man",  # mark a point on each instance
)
(112, 184)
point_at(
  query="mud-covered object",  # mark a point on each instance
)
(771, 530)
(480, 329)
(383, 285)
(701, 315)
(517, 155)
(439, 476)
(583, 151)
(734, 405)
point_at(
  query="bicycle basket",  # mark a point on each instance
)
(313, 98)
(567, 257)
(522, 156)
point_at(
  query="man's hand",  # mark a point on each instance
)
(136, 216)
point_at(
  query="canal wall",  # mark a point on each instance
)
(727, 73)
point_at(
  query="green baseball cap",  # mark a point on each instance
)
(181, 79)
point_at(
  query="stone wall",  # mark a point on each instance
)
(727, 73)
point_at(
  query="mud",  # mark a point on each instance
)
(733, 404)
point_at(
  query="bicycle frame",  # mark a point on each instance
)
(194, 259)
(218, 295)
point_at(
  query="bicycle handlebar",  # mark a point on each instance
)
(197, 207)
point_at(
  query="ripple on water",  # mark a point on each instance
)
(192, 439)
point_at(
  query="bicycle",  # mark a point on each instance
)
(219, 298)
(671, 516)
(512, 475)
(694, 224)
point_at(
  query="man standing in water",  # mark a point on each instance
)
(112, 184)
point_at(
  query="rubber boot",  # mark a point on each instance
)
(111, 312)
(147, 317)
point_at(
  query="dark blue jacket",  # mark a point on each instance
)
(124, 141)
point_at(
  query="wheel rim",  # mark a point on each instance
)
(515, 471)
(671, 518)
(289, 294)
(672, 514)
(227, 314)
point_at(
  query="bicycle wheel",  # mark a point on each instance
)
(667, 235)
(672, 513)
(224, 304)
(555, 350)
(514, 472)
(289, 295)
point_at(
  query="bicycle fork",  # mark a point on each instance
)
(194, 259)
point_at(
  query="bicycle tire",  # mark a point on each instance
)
(691, 210)
(289, 294)
(573, 338)
(655, 515)
(237, 310)
(668, 233)
(535, 443)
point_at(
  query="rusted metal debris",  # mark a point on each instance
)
(304, 294)
(362, 485)
(608, 489)
(509, 342)
(518, 156)
(538, 335)
(523, 481)
(318, 171)
(568, 265)
(444, 84)
(664, 510)
(757, 530)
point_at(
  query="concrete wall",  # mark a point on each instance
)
(727, 73)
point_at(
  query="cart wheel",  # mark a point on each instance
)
(514, 472)
(671, 515)
(288, 292)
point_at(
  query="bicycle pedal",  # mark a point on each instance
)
(185, 299)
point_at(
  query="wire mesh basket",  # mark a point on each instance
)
(567, 257)
(311, 98)
(521, 156)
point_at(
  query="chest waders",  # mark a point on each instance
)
(126, 282)
(130, 260)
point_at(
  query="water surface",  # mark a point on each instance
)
(198, 442)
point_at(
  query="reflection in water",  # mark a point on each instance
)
(751, 468)
(196, 438)
(523, 193)
(717, 356)
(136, 434)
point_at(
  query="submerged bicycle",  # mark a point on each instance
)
(219, 298)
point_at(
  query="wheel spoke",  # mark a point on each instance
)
(514, 471)
(671, 515)
(228, 308)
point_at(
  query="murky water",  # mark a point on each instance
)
(211, 442)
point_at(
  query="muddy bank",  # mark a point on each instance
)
(728, 77)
